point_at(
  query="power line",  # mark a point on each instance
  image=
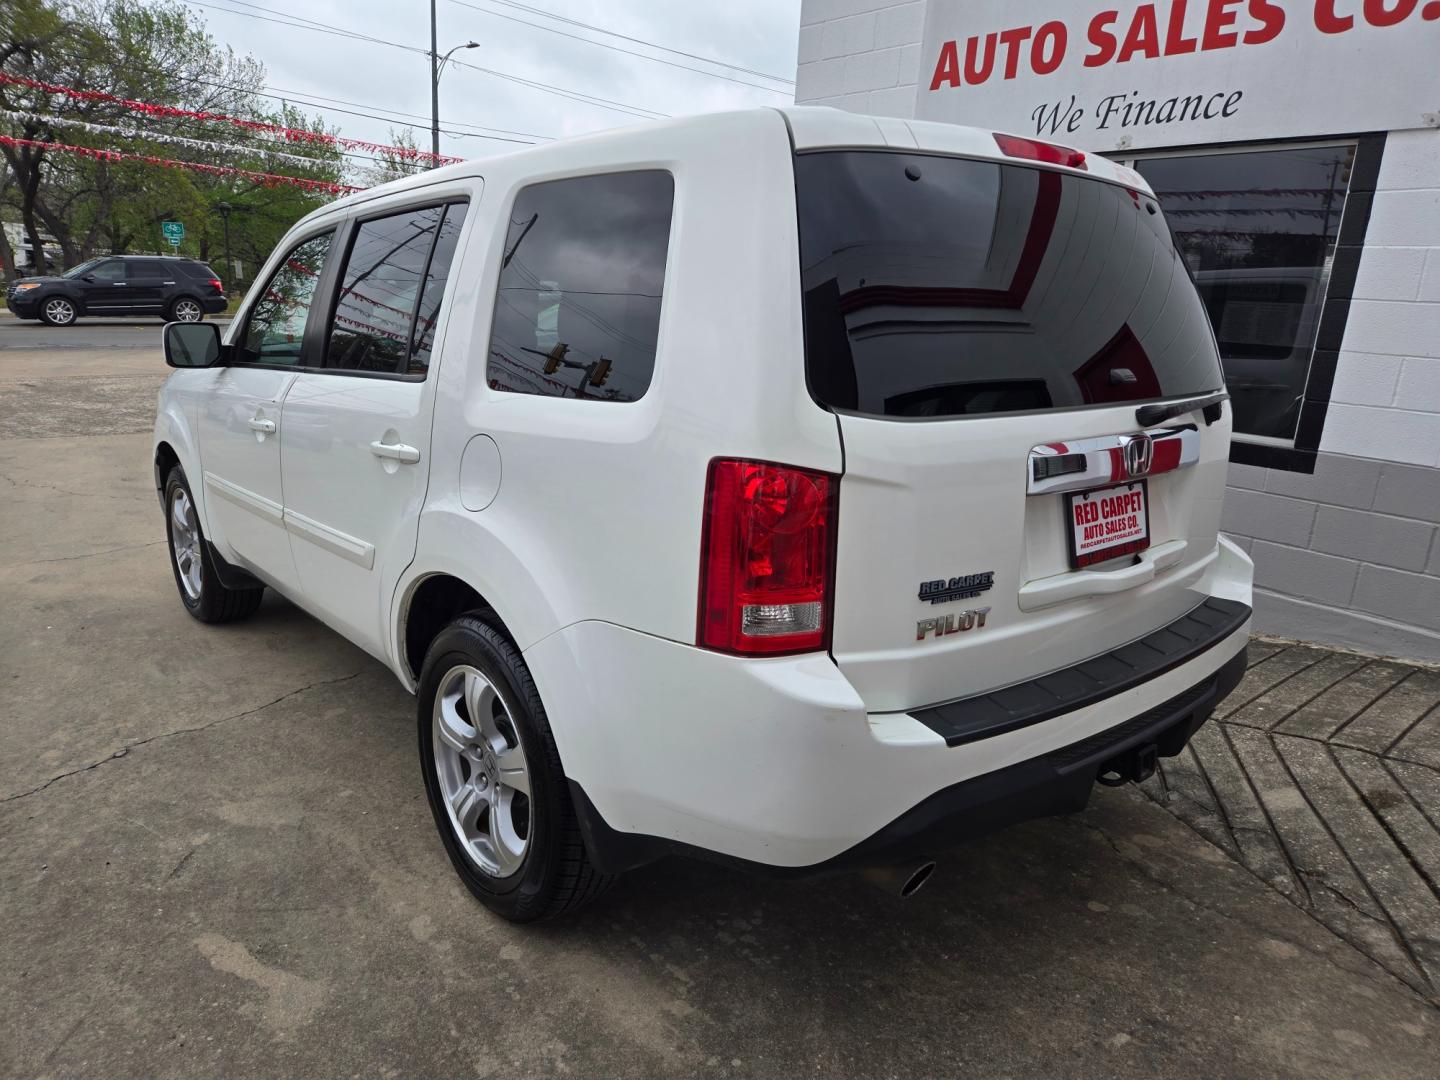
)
(642, 41)
(413, 116)
(627, 52)
(398, 116)
(574, 95)
(285, 19)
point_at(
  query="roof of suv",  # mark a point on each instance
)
(811, 128)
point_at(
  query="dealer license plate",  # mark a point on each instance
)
(1106, 523)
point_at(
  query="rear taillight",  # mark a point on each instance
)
(767, 554)
(215, 282)
(1035, 150)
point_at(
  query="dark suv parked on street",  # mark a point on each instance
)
(182, 290)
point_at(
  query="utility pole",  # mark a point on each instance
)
(225, 208)
(434, 88)
(437, 66)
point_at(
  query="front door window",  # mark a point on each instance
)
(275, 332)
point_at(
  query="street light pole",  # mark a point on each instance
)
(225, 208)
(437, 66)
(434, 88)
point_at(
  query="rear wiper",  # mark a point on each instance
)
(1150, 415)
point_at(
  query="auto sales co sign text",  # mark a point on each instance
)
(1177, 72)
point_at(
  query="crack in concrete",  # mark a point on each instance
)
(124, 750)
(66, 491)
(90, 555)
(1345, 899)
(181, 864)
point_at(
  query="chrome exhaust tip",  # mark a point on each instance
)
(904, 880)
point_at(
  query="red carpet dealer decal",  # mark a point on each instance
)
(1108, 523)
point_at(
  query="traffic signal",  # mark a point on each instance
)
(601, 372)
(553, 358)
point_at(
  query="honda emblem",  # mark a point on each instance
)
(1138, 452)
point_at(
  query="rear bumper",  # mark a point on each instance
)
(1059, 782)
(213, 305)
(777, 764)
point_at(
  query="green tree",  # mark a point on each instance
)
(390, 165)
(158, 53)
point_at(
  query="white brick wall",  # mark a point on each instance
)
(861, 55)
(1386, 399)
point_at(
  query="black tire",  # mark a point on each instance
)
(50, 320)
(556, 876)
(172, 313)
(212, 602)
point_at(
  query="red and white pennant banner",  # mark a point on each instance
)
(293, 135)
(262, 178)
(172, 140)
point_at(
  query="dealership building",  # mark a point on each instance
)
(1295, 148)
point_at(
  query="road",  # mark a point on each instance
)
(85, 334)
(216, 860)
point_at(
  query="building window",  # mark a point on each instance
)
(577, 314)
(1272, 235)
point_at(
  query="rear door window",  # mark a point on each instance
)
(436, 276)
(392, 274)
(942, 287)
(577, 314)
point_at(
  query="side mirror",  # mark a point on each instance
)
(89, 277)
(192, 345)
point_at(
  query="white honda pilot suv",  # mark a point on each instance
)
(797, 489)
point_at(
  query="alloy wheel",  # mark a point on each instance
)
(185, 539)
(187, 311)
(60, 311)
(484, 777)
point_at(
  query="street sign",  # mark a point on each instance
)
(174, 231)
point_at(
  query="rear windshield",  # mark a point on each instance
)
(939, 287)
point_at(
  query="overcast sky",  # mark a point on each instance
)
(311, 63)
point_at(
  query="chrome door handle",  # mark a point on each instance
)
(408, 455)
(266, 426)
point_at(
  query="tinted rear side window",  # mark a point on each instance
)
(374, 316)
(436, 276)
(937, 287)
(578, 309)
(148, 269)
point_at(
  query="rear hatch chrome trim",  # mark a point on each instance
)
(1079, 464)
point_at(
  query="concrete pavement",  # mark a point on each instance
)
(216, 859)
(1321, 774)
